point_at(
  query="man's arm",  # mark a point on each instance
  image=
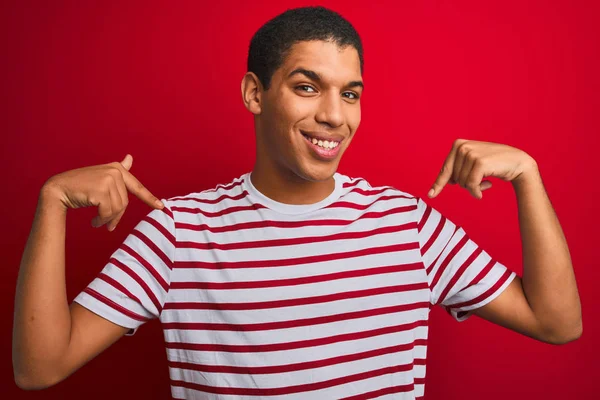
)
(50, 339)
(545, 303)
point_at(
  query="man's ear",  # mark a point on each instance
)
(252, 92)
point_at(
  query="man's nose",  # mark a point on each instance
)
(330, 110)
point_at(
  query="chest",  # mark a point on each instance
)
(299, 274)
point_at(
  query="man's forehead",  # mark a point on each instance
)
(325, 58)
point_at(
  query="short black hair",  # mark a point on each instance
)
(270, 44)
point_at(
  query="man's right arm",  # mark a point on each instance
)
(50, 339)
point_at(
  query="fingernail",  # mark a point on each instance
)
(431, 192)
(159, 204)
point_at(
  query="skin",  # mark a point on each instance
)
(52, 339)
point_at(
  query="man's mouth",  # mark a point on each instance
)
(323, 141)
(325, 147)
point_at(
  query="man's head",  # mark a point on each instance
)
(303, 84)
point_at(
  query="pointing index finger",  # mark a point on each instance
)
(140, 191)
(444, 175)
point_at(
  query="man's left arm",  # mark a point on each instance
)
(545, 303)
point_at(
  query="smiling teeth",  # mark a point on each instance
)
(324, 143)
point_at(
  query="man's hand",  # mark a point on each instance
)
(470, 161)
(104, 186)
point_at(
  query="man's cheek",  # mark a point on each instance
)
(355, 121)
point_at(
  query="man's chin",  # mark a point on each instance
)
(319, 173)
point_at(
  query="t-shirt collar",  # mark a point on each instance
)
(258, 197)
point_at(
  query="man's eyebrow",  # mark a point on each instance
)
(356, 84)
(306, 72)
(317, 78)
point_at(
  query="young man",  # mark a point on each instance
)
(294, 280)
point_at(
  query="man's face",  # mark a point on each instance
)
(312, 109)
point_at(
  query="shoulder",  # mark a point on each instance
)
(207, 200)
(358, 186)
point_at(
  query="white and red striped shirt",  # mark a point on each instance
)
(260, 299)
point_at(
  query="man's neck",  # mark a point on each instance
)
(288, 188)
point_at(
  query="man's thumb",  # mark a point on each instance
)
(127, 161)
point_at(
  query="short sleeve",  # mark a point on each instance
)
(132, 287)
(462, 276)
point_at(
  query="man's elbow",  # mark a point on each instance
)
(564, 336)
(30, 383)
(34, 380)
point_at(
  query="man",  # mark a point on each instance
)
(293, 280)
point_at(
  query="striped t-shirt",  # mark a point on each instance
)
(260, 299)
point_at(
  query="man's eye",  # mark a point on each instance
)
(351, 95)
(306, 88)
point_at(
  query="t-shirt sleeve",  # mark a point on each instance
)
(462, 276)
(132, 287)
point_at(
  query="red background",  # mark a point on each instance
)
(87, 82)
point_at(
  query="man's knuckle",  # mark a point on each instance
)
(115, 172)
(108, 180)
(464, 149)
(471, 155)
